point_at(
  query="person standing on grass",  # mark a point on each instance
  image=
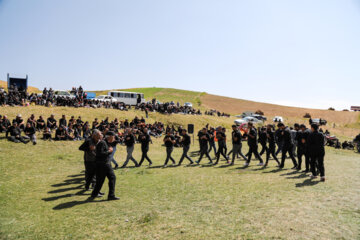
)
(169, 142)
(212, 144)
(271, 149)
(204, 146)
(103, 167)
(129, 141)
(144, 139)
(287, 146)
(316, 152)
(186, 141)
(263, 140)
(253, 145)
(112, 156)
(89, 148)
(302, 147)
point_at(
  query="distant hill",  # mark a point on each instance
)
(3, 84)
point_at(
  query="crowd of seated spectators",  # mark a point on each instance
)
(78, 98)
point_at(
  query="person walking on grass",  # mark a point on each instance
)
(103, 167)
(169, 142)
(129, 141)
(186, 141)
(270, 150)
(316, 152)
(253, 145)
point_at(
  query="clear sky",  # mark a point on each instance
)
(291, 52)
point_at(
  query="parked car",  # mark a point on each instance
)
(318, 121)
(260, 117)
(246, 120)
(278, 119)
(62, 93)
(188, 104)
(105, 98)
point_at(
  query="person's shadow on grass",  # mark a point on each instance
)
(306, 183)
(71, 204)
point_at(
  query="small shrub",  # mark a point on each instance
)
(331, 109)
(307, 115)
(259, 112)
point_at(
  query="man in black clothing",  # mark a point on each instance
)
(221, 137)
(103, 167)
(89, 148)
(169, 141)
(212, 140)
(51, 122)
(271, 149)
(60, 133)
(263, 140)
(237, 144)
(287, 146)
(63, 121)
(15, 134)
(301, 138)
(40, 123)
(316, 150)
(144, 139)
(186, 141)
(30, 132)
(253, 145)
(129, 140)
(5, 124)
(204, 140)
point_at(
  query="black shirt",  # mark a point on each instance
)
(221, 137)
(271, 138)
(252, 138)
(129, 140)
(316, 144)
(204, 139)
(186, 140)
(29, 130)
(14, 131)
(144, 139)
(168, 143)
(102, 152)
(236, 134)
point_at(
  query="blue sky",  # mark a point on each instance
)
(299, 53)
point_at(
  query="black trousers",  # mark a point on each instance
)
(104, 170)
(253, 149)
(271, 151)
(263, 149)
(220, 152)
(90, 171)
(185, 154)
(169, 151)
(300, 153)
(18, 139)
(212, 146)
(144, 156)
(317, 164)
(284, 150)
(204, 151)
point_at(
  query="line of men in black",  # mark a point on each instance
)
(99, 153)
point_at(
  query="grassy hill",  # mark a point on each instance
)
(42, 197)
(342, 123)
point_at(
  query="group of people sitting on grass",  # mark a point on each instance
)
(78, 98)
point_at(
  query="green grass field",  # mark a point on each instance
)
(42, 197)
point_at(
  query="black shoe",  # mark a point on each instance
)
(113, 198)
(116, 167)
(295, 167)
(34, 143)
(101, 193)
(305, 171)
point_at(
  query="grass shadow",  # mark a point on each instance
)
(289, 173)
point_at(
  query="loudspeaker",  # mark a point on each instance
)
(190, 128)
